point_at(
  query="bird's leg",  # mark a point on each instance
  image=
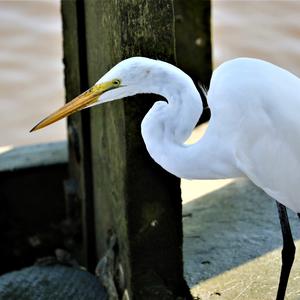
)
(287, 253)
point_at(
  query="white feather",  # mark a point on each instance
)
(254, 130)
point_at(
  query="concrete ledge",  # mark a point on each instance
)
(33, 156)
(232, 245)
(33, 206)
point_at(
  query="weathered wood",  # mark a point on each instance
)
(193, 42)
(79, 187)
(193, 38)
(134, 199)
(133, 196)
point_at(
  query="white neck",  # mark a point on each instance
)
(166, 127)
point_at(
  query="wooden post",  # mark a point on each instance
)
(136, 204)
(193, 42)
(193, 38)
(79, 192)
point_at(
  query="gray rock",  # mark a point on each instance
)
(50, 282)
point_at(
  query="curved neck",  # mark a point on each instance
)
(166, 127)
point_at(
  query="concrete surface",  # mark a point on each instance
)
(51, 282)
(39, 155)
(232, 243)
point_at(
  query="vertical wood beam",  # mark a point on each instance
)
(193, 42)
(134, 198)
(78, 188)
(131, 196)
(193, 38)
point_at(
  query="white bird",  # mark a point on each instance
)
(254, 129)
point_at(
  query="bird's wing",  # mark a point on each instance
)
(267, 150)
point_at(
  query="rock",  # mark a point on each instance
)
(50, 282)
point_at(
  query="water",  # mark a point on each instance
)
(269, 30)
(31, 77)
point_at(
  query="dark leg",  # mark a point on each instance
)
(287, 253)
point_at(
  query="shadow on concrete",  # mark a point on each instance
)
(229, 227)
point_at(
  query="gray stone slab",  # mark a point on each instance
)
(34, 156)
(51, 282)
(232, 245)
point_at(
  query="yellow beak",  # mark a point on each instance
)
(84, 100)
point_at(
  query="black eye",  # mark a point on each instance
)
(116, 82)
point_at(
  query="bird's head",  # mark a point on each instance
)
(125, 79)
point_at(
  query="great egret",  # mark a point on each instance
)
(254, 130)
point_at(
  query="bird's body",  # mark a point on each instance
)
(255, 112)
(254, 129)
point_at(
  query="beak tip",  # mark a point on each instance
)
(35, 128)
(84, 100)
